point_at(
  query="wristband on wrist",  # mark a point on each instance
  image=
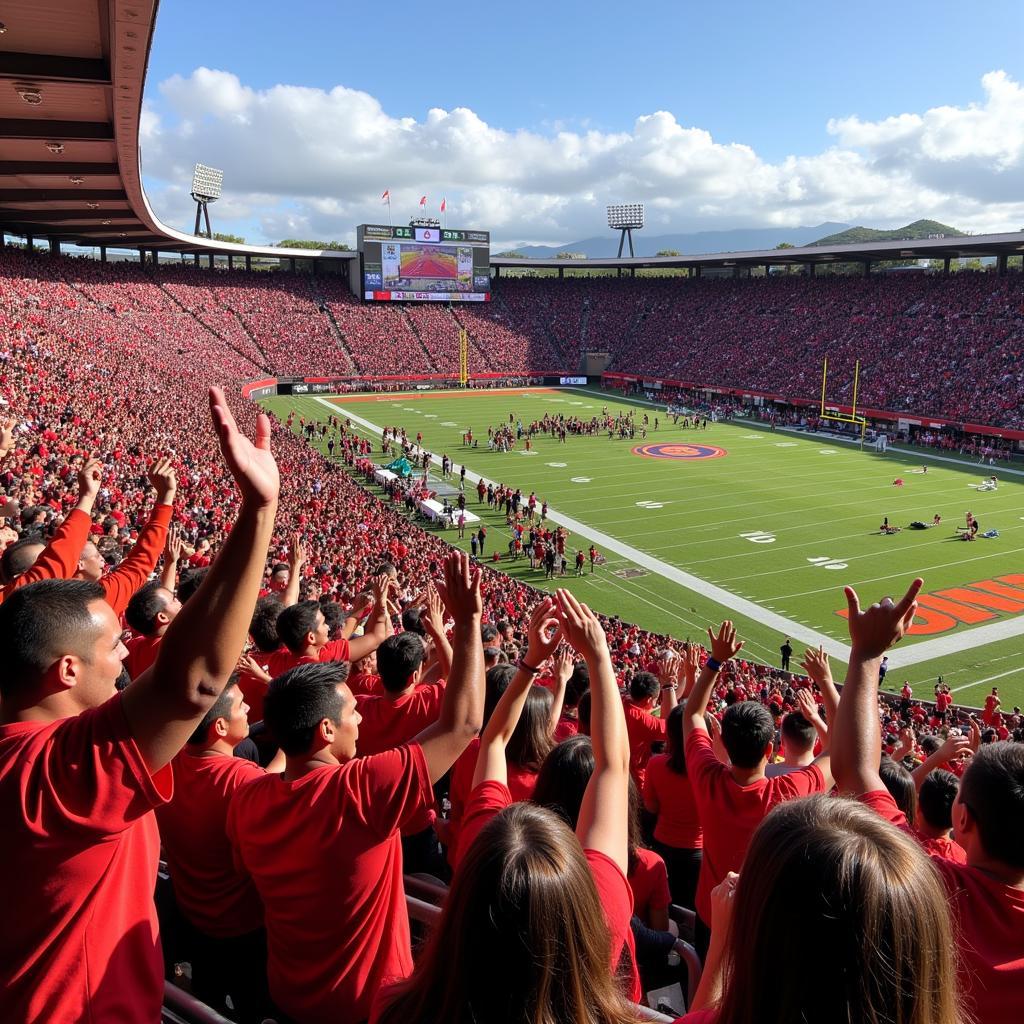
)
(713, 665)
(527, 668)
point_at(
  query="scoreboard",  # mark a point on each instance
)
(424, 263)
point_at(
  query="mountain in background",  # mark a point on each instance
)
(919, 229)
(736, 240)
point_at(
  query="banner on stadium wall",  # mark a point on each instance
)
(572, 380)
(652, 385)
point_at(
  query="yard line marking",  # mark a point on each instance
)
(987, 679)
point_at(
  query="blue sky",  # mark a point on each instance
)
(748, 87)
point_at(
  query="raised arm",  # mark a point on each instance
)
(953, 748)
(202, 644)
(543, 639)
(172, 556)
(296, 560)
(432, 618)
(462, 708)
(563, 668)
(815, 664)
(856, 736)
(724, 647)
(378, 625)
(809, 709)
(603, 824)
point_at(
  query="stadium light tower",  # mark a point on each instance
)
(206, 189)
(626, 218)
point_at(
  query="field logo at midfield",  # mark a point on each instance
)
(675, 450)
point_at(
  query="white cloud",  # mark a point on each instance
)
(307, 161)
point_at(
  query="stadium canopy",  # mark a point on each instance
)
(72, 74)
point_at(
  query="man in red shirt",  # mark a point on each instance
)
(149, 613)
(228, 945)
(306, 636)
(82, 766)
(329, 828)
(987, 893)
(733, 799)
(642, 727)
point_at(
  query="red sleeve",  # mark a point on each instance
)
(651, 728)
(120, 584)
(701, 762)
(336, 650)
(389, 787)
(59, 560)
(90, 776)
(881, 802)
(485, 802)
(616, 899)
(661, 895)
(800, 783)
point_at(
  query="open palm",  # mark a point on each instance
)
(251, 462)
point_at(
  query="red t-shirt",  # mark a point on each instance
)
(944, 848)
(566, 727)
(278, 662)
(990, 917)
(325, 854)
(391, 721)
(730, 813)
(643, 729)
(208, 887)
(78, 863)
(142, 652)
(648, 879)
(670, 795)
(614, 893)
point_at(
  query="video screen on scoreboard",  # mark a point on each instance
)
(425, 264)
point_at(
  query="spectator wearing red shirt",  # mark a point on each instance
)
(527, 922)
(334, 815)
(987, 893)
(642, 727)
(122, 582)
(81, 766)
(733, 799)
(150, 612)
(668, 794)
(934, 824)
(992, 703)
(227, 947)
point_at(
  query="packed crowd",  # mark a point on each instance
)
(411, 711)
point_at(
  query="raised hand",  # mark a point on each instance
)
(808, 704)
(724, 645)
(432, 614)
(580, 626)
(723, 900)
(874, 630)
(669, 667)
(175, 546)
(564, 665)
(251, 462)
(380, 588)
(296, 552)
(954, 747)
(164, 479)
(89, 478)
(815, 664)
(7, 426)
(544, 633)
(462, 587)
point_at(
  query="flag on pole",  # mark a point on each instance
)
(423, 201)
(386, 198)
(444, 205)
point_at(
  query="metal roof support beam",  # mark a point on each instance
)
(61, 131)
(52, 68)
(1001, 264)
(49, 195)
(55, 168)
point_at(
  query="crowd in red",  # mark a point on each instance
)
(104, 373)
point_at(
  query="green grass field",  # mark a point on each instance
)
(766, 534)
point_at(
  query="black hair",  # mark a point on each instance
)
(487, 634)
(643, 686)
(300, 699)
(747, 728)
(411, 621)
(531, 739)
(992, 789)
(278, 566)
(900, 784)
(295, 622)
(578, 684)
(221, 709)
(583, 712)
(929, 744)
(146, 604)
(40, 623)
(563, 778)
(397, 658)
(334, 616)
(263, 625)
(935, 798)
(496, 682)
(190, 583)
(797, 733)
(16, 558)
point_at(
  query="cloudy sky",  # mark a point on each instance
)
(529, 118)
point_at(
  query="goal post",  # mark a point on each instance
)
(463, 357)
(839, 417)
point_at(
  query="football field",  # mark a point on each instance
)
(741, 522)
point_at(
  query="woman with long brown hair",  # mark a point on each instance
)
(537, 920)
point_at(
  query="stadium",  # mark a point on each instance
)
(518, 611)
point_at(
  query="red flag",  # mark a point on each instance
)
(444, 205)
(387, 195)
(423, 201)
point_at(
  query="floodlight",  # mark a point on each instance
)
(626, 215)
(206, 183)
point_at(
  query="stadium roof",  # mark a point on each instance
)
(72, 74)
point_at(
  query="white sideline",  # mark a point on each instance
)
(898, 657)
